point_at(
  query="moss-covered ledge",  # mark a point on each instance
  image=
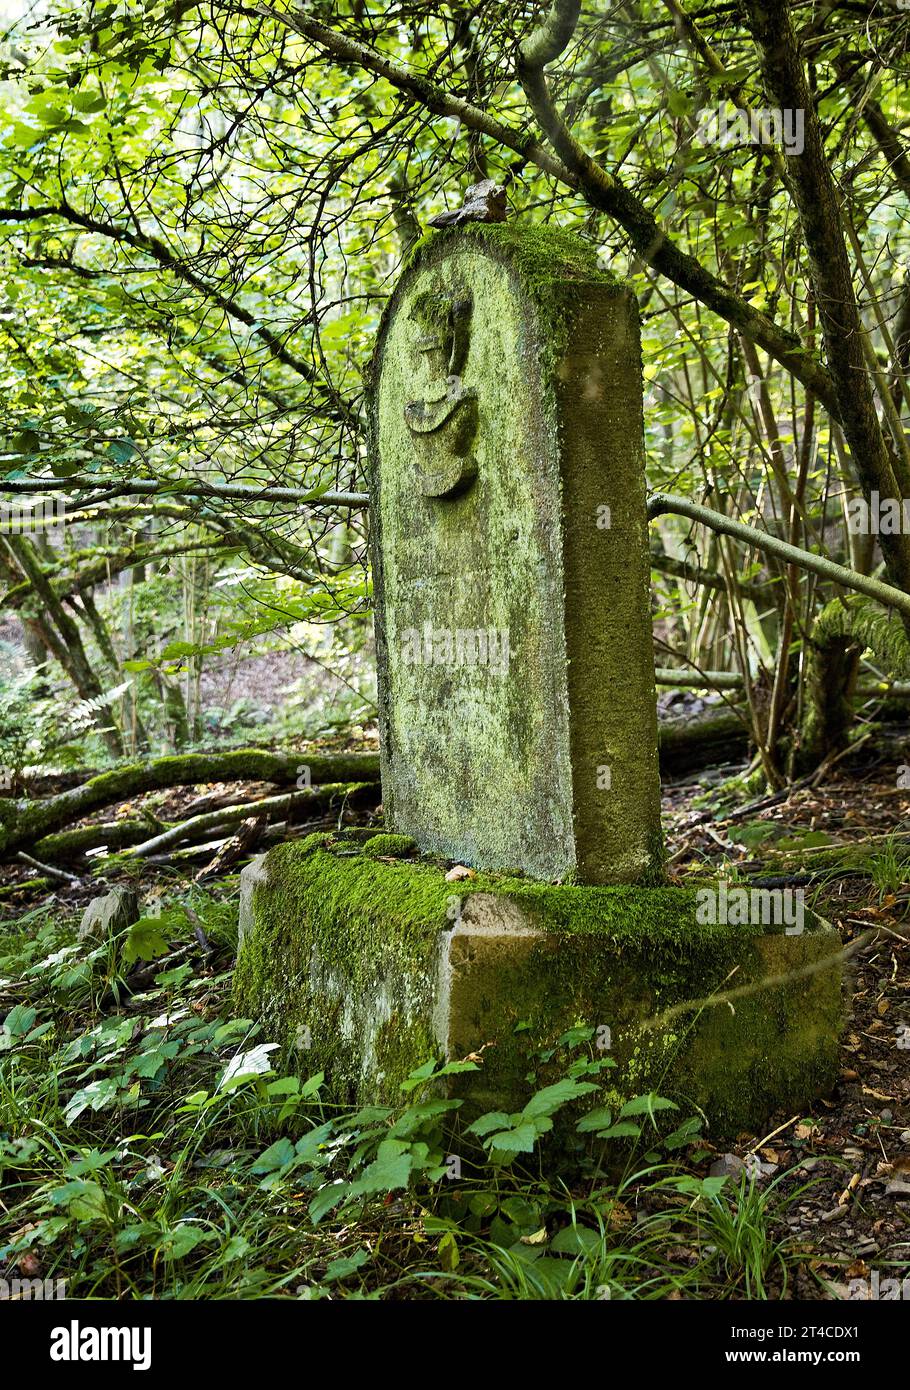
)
(363, 967)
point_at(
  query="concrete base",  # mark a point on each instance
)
(368, 965)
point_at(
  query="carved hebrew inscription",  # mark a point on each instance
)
(443, 422)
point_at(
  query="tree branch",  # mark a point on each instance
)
(815, 197)
(153, 246)
(661, 504)
(244, 492)
(551, 38)
(603, 191)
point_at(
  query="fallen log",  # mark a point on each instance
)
(39, 824)
(70, 844)
(22, 821)
(686, 746)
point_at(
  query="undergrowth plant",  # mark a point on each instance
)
(148, 1148)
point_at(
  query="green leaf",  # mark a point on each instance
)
(145, 940)
(525, 1214)
(619, 1131)
(678, 102)
(483, 1203)
(246, 1065)
(178, 1243)
(552, 1098)
(457, 1068)
(416, 1116)
(83, 1200)
(646, 1105)
(24, 442)
(754, 833)
(515, 1141)
(494, 1119)
(388, 1173)
(284, 1086)
(308, 1148)
(327, 1199)
(237, 1248)
(81, 416)
(25, 136)
(174, 650)
(20, 1020)
(95, 1096)
(419, 1076)
(448, 1252)
(121, 450)
(595, 1119)
(346, 1264)
(688, 1130)
(576, 1240)
(276, 1156)
(574, 1036)
(89, 102)
(150, 1063)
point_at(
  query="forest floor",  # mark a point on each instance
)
(830, 1204)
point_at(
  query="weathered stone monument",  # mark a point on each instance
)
(518, 735)
(516, 676)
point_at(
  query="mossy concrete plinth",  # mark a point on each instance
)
(369, 965)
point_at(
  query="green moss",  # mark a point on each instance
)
(347, 951)
(8, 819)
(540, 255)
(391, 846)
(860, 858)
(339, 935)
(865, 624)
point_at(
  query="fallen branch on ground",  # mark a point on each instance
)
(23, 822)
(313, 798)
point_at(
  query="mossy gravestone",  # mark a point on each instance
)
(516, 678)
(518, 735)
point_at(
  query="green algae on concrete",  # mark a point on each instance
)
(517, 706)
(364, 968)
